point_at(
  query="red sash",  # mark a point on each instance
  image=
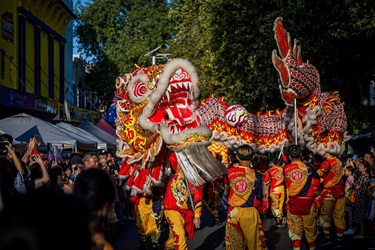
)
(189, 224)
(300, 205)
(337, 191)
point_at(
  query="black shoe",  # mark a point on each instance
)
(215, 223)
(143, 244)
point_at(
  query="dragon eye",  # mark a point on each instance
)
(139, 89)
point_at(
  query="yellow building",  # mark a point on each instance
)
(32, 55)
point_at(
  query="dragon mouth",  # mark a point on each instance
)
(176, 118)
(175, 109)
(171, 109)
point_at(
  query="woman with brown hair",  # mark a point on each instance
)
(361, 200)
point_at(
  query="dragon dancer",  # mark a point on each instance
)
(212, 193)
(244, 228)
(277, 191)
(182, 207)
(301, 183)
(331, 173)
(148, 216)
(147, 188)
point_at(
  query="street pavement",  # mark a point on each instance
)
(211, 237)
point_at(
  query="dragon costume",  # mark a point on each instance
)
(321, 118)
(157, 120)
(158, 112)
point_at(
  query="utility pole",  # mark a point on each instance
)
(153, 54)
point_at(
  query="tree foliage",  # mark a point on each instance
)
(117, 34)
(234, 54)
(230, 43)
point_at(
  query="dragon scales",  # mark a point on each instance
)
(321, 118)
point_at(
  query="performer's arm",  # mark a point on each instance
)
(258, 190)
(324, 168)
(198, 195)
(258, 186)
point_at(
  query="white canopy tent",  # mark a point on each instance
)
(93, 129)
(82, 141)
(23, 126)
(73, 130)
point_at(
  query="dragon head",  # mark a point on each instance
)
(171, 93)
(296, 78)
(159, 108)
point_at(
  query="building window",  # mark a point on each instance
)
(2, 65)
(37, 69)
(51, 65)
(22, 53)
(62, 72)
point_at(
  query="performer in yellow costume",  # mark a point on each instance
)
(244, 228)
(148, 215)
(277, 191)
(301, 184)
(182, 208)
(212, 194)
(331, 173)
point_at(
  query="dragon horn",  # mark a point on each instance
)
(282, 37)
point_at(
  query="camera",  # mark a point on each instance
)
(3, 148)
(4, 140)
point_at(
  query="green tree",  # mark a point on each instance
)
(231, 42)
(117, 34)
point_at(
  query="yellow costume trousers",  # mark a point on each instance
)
(244, 229)
(332, 208)
(299, 224)
(145, 218)
(277, 196)
(177, 235)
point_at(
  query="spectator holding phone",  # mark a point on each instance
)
(34, 143)
(10, 153)
(11, 172)
(38, 173)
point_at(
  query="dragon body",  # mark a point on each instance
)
(158, 112)
(320, 118)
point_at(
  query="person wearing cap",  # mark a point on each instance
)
(331, 173)
(301, 184)
(244, 228)
(182, 207)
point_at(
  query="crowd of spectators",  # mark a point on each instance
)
(43, 194)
